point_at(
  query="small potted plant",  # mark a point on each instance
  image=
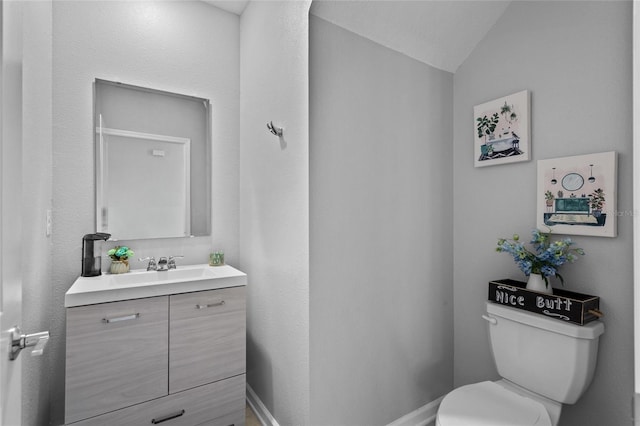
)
(486, 126)
(545, 259)
(508, 111)
(596, 202)
(548, 196)
(119, 259)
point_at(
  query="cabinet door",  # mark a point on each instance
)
(116, 355)
(207, 340)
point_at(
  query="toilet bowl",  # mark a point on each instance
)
(524, 345)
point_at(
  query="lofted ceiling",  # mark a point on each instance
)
(441, 33)
(233, 6)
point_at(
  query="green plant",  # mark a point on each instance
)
(121, 253)
(548, 195)
(486, 126)
(508, 112)
(596, 199)
(547, 256)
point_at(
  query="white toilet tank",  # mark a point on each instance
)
(547, 356)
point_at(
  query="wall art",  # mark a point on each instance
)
(502, 130)
(578, 195)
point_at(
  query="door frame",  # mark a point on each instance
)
(636, 206)
(10, 207)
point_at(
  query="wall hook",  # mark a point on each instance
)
(274, 130)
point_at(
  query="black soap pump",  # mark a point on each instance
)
(92, 264)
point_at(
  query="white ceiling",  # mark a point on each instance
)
(233, 6)
(441, 33)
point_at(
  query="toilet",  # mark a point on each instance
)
(543, 362)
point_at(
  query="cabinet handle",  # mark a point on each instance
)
(124, 318)
(167, 417)
(210, 305)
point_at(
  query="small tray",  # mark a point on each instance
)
(562, 305)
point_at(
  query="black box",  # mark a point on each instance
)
(562, 305)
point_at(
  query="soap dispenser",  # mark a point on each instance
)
(92, 264)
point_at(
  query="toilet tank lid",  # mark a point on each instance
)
(591, 330)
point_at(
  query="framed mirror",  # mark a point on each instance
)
(572, 181)
(153, 168)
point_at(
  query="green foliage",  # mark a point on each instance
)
(508, 112)
(596, 199)
(486, 126)
(120, 253)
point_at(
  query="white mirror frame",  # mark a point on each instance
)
(147, 224)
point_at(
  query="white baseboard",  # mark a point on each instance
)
(423, 416)
(259, 408)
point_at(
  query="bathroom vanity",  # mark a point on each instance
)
(151, 347)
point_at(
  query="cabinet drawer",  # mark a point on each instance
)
(206, 337)
(116, 355)
(216, 404)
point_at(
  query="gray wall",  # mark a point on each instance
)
(575, 58)
(274, 207)
(381, 225)
(185, 47)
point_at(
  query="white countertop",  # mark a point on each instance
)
(141, 283)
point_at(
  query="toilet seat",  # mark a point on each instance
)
(490, 404)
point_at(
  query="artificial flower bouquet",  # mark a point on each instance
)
(545, 259)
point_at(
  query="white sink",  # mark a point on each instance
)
(186, 273)
(141, 283)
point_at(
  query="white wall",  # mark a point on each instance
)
(381, 321)
(274, 204)
(37, 170)
(575, 58)
(186, 47)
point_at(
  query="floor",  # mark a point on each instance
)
(251, 419)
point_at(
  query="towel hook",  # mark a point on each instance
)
(274, 130)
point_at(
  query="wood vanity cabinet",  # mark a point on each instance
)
(177, 359)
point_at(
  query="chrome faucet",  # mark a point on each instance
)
(162, 264)
(151, 266)
(172, 261)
